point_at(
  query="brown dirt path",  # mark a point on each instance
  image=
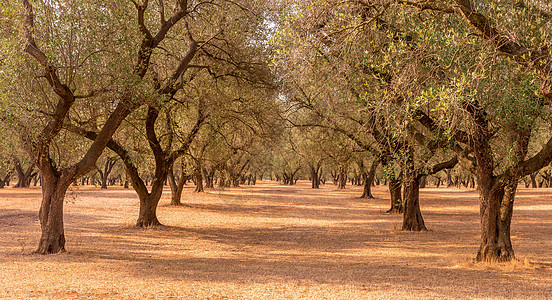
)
(271, 242)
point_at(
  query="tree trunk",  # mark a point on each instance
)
(497, 204)
(148, 211)
(199, 181)
(335, 176)
(4, 180)
(395, 192)
(235, 180)
(23, 177)
(176, 187)
(412, 217)
(369, 180)
(103, 179)
(315, 178)
(423, 181)
(52, 239)
(222, 179)
(438, 183)
(147, 215)
(367, 192)
(209, 176)
(449, 178)
(533, 180)
(342, 178)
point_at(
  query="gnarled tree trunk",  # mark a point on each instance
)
(147, 215)
(412, 217)
(54, 188)
(497, 204)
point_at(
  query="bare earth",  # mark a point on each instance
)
(271, 242)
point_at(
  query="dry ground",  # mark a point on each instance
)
(271, 242)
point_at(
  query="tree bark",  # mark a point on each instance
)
(148, 210)
(5, 180)
(199, 180)
(496, 215)
(209, 176)
(395, 186)
(450, 183)
(54, 187)
(412, 217)
(533, 177)
(23, 177)
(315, 179)
(369, 180)
(176, 186)
(423, 181)
(104, 174)
(342, 177)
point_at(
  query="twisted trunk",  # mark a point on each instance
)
(496, 209)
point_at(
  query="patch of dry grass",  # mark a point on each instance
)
(271, 242)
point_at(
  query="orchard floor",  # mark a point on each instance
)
(271, 242)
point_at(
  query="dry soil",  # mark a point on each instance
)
(271, 241)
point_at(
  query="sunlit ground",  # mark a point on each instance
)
(270, 242)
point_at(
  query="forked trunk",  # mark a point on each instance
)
(396, 199)
(148, 210)
(412, 217)
(496, 216)
(176, 187)
(149, 200)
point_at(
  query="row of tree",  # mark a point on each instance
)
(235, 89)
